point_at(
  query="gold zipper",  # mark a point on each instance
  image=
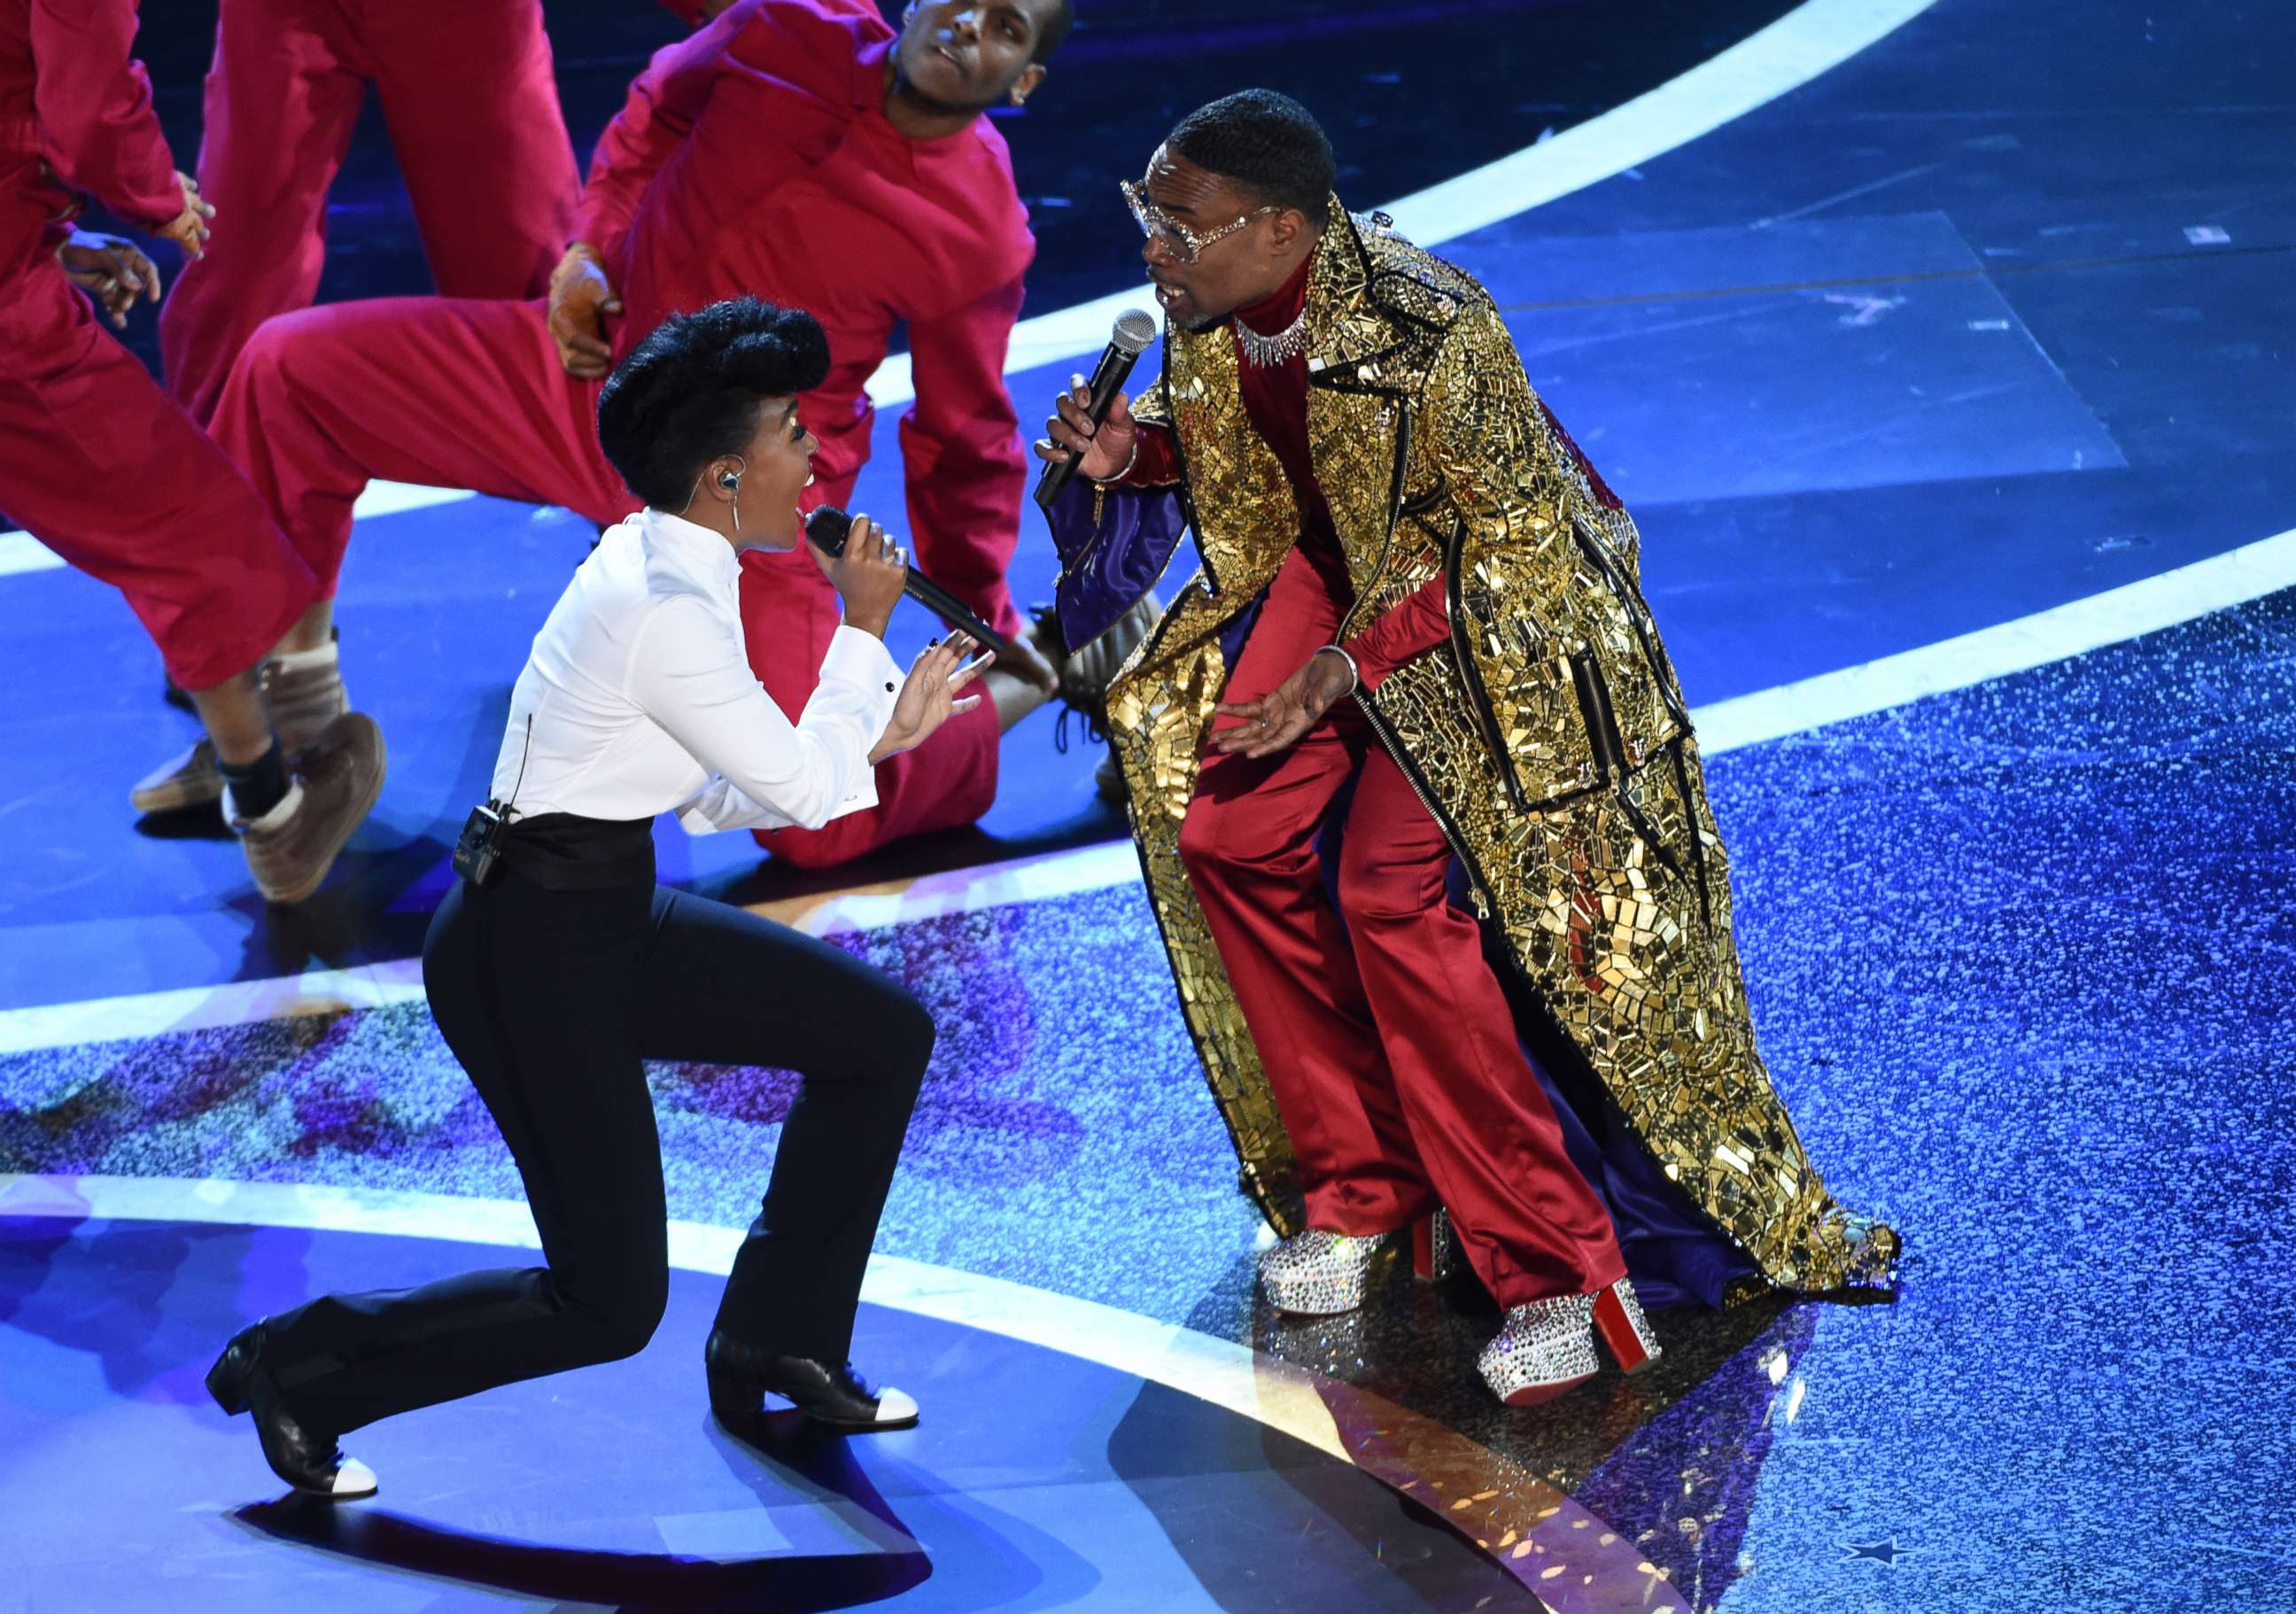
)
(1394, 516)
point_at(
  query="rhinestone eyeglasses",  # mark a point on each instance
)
(1178, 239)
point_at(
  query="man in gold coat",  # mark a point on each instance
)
(1416, 675)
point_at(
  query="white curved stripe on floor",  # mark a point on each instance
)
(2064, 631)
(22, 552)
(1810, 40)
(2061, 631)
(140, 1014)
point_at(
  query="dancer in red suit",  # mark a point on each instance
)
(797, 150)
(104, 471)
(467, 89)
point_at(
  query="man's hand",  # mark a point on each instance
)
(113, 271)
(189, 229)
(580, 302)
(929, 698)
(1278, 719)
(1107, 449)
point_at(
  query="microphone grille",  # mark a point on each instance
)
(827, 528)
(1135, 328)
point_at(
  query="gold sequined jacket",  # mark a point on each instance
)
(1549, 738)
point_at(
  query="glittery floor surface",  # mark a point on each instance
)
(2020, 957)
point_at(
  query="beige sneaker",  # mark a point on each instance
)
(189, 780)
(301, 692)
(337, 778)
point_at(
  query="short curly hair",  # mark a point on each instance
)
(688, 394)
(1267, 145)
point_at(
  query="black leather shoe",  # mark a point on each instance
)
(313, 1464)
(836, 1398)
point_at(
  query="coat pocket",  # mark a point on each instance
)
(1610, 758)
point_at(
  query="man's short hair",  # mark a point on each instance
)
(1265, 145)
(1055, 31)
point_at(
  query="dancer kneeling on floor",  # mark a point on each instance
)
(556, 974)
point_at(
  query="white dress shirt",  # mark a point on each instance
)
(642, 698)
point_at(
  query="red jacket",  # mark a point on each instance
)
(72, 99)
(754, 156)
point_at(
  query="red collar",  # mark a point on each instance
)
(1274, 312)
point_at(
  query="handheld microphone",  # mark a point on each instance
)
(827, 529)
(1134, 330)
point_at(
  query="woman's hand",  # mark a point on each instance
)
(1107, 448)
(929, 698)
(112, 270)
(1280, 717)
(867, 577)
(189, 229)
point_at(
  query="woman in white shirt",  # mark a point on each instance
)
(556, 977)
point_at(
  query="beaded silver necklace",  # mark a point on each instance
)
(1266, 352)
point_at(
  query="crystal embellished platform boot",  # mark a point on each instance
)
(1319, 1274)
(1545, 1349)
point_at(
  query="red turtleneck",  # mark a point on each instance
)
(1276, 398)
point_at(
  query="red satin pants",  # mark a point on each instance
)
(1387, 1042)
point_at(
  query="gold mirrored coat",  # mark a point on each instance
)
(1549, 738)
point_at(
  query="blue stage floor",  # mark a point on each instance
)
(1989, 319)
(2019, 957)
(1036, 1480)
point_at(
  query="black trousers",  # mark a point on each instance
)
(551, 999)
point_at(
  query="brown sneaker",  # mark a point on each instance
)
(1086, 673)
(337, 778)
(301, 701)
(191, 780)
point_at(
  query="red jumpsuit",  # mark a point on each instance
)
(752, 157)
(94, 461)
(1387, 1042)
(467, 89)
(755, 157)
